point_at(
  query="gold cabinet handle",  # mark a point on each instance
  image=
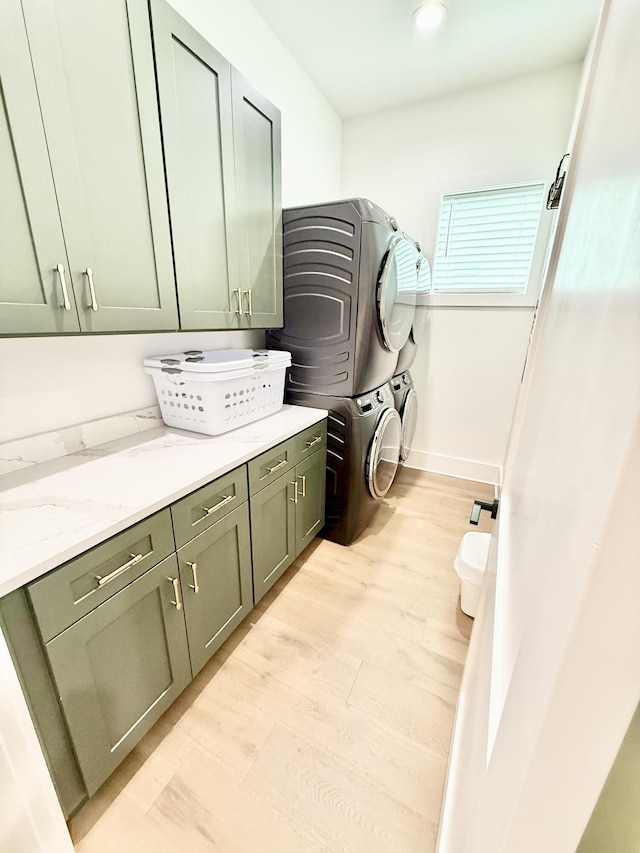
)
(295, 492)
(195, 586)
(275, 467)
(135, 558)
(303, 477)
(249, 302)
(209, 509)
(63, 285)
(238, 292)
(177, 601)
(313, 441)
(92, 290)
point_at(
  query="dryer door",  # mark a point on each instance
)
(384, 452)
(409, 419)
(396, 294)
(422, 301)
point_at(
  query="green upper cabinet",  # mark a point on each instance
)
(194, 85)
(222, 154)
(257, 146)
(35, 290)
(93, 66)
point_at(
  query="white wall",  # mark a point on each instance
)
(49, 383)
(563, 583)
(467, 376)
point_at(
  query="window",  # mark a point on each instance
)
(486, 244)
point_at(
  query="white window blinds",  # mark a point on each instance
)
(486, 239)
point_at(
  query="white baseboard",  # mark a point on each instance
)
(465, 469)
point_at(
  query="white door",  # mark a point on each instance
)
(553, 673)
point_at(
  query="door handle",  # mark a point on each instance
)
(195, 586)
(303, 492)
(177, 601)
(92, 290)
(63, 285)
(478, 506)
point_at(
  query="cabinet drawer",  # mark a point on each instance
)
(202, 508)
(311, 439)
(271, 464)
(73, 590)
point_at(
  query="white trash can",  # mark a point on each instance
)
(470, 564)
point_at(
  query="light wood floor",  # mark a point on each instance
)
(323, 724)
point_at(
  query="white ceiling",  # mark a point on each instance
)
(366, 55)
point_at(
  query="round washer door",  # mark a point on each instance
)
(397, 284)
(384, 452)
(409, 418)
(422, 301)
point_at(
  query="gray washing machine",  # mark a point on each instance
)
(407, 354)
(363, 446)
(406, 403)
(350, 281)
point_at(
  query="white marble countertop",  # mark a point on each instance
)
(54, 511)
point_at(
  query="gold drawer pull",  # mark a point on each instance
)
(295, 492)
(312, 441)
(195, 586)
(209, 509)
(275, 467)
(177, 601)
(135, 558)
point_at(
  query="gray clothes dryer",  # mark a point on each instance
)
(406, 403)
(350, 281)
(408, 353)
(363, 444)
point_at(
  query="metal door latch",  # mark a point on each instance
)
(478, 506)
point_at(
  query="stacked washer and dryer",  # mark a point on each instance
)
(350, 290)
(404, 394)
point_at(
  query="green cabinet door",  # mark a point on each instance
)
(273, 532)
(194, 84)
(93, 65)
(120, 667)
(311, 477)
(35, 289)
(215, 571)
(258, 235)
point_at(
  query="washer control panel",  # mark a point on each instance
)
(374, 400)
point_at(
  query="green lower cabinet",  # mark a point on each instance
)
(273, 532)
(285, 517)
(120, 667)
(311, 475)
(215, 572)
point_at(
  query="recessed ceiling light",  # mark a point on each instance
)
(430, 15)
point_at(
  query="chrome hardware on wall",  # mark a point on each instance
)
(555, 190)
(63, 285)
(478, 506)
(92, 291)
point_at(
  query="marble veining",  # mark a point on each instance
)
(33, 450)
(54, 510)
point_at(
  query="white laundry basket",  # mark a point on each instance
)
(215, 391)
(470, 564)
